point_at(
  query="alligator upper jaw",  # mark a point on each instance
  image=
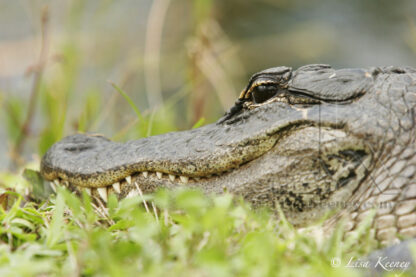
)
(94, 161)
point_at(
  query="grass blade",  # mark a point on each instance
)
(128, 99)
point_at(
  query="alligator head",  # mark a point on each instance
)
(305, 139)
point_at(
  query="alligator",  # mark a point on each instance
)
(310, 141)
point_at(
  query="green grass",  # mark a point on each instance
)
(180, 233)
(183, 233)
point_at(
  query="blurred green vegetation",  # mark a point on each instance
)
(130, 69)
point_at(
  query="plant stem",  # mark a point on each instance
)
(38, 70)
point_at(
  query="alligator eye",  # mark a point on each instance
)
(263, 93)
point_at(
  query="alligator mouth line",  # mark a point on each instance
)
(131, 180)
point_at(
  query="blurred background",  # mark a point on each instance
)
(133, 68)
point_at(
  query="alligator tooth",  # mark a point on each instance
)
(56, 182)
(88, 191)
(197, 179)
(128, 179)
(184, 179)
(65, 183)
(172, 177)
(116, 187)
(159, 175)
(53, 186)
(103, 193)
(145, 174)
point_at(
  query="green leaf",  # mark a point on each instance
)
(56, 228)
(41, 190)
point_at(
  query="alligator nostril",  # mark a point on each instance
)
(78, 148)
